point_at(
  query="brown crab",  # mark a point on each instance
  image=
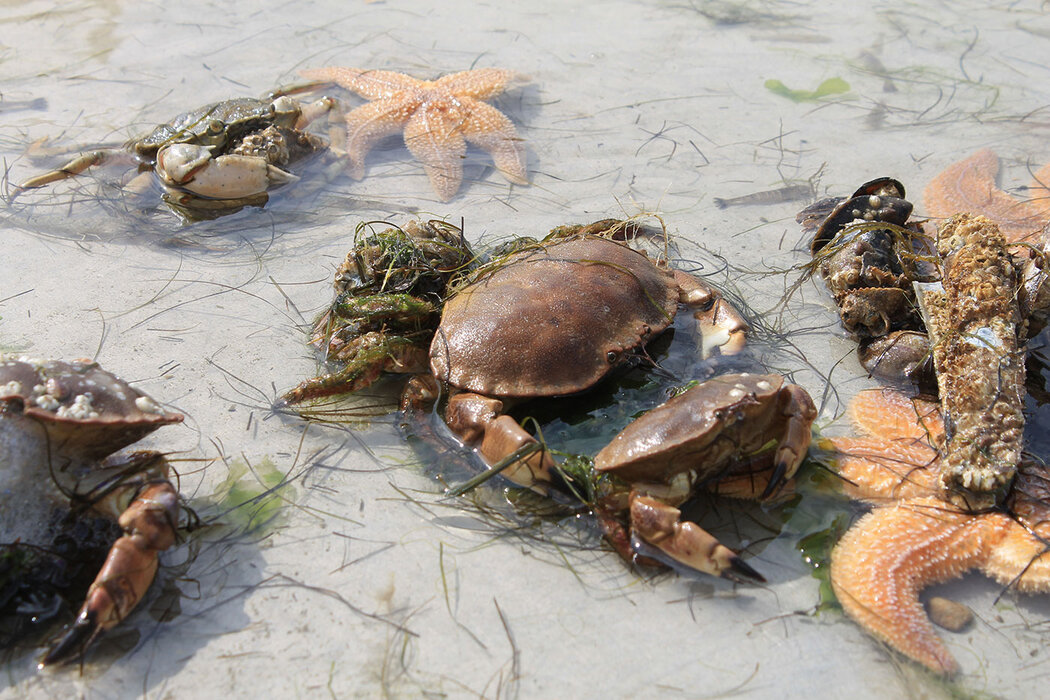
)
(703, 436)
(67, 419)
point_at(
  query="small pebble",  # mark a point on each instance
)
(949, 614)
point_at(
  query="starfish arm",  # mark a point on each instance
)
(1022, 558)
(490, 130)
(434, 138)
(370, 84)
(371, 123)
(480, 84)
(874, 469)
(882, 563)
(889, 414)
(969, 186)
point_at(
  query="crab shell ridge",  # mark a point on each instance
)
(552, 321)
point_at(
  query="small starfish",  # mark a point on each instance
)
(438, 118)
(969, 186)
(914, 538)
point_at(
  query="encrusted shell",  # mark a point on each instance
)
(82, 407)
(553, 320)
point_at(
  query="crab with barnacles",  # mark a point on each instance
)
(877, 264)
(67, 419)
(555, 318)
(215, 159)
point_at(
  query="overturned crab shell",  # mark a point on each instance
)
(553, 320)
(82, 408)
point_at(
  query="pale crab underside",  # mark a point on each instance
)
(913, 537)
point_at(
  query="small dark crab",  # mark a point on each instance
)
(877, 263)
(869, 254)
(215, 159)
(60, 425)
(389, 292)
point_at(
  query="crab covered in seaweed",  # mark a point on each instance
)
(554, 318)
(61, 424)
(217, 158)
(389, 292)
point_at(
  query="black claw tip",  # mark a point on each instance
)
(742, 572)
(775, 481)
(74, 642)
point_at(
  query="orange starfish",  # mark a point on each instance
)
(438, 119)
(970, 186)
(915, 538)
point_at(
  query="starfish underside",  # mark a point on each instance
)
(437, 117)
(914, 538)
(970, 185)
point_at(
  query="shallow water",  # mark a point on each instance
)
(372, 583)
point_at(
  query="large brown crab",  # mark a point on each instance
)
(217, 158)
(555, 318)
(60, 423)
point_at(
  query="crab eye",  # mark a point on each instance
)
(612, 356)
(215, 126)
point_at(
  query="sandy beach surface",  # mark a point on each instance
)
(371, 583)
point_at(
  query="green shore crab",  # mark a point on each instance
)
(61, 424)
(554, 318)
(217, 158)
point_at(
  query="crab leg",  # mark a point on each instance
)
(723, 330)
(372, 354)
(70, 169)
(149, 525)
(477, 419)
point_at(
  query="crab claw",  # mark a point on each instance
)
(683, 543)
(149, 527)
(722, 328)
(193, 169)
